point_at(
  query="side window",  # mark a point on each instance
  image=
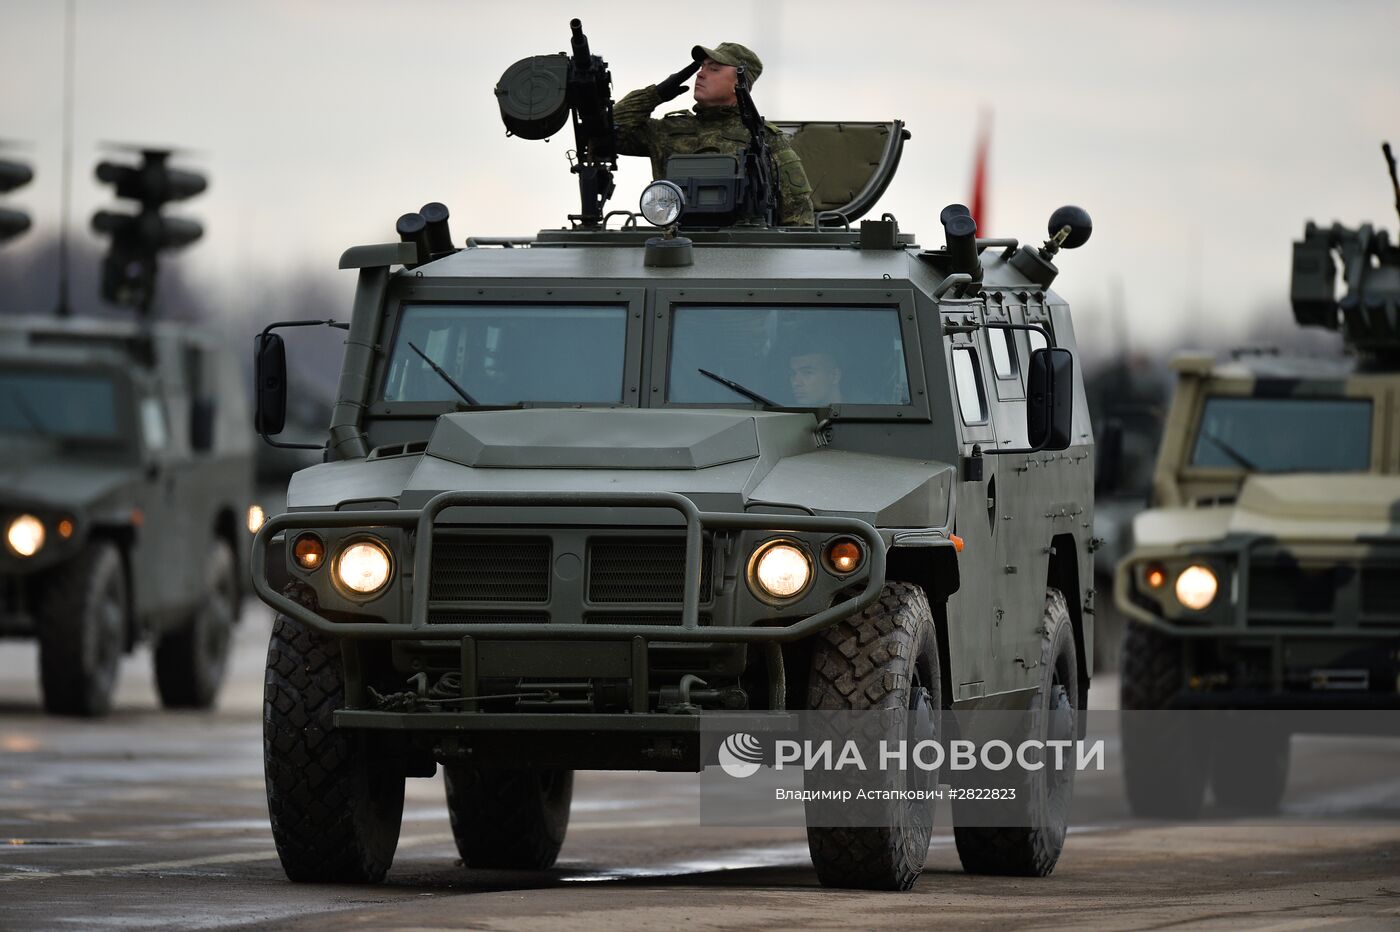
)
(153, 427)
(1004, 362)
(967, 373)
(1037, 340)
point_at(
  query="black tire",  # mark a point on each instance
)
(508, 819)
(1029, 830)
(190, 662)
(82, 619)
(1249, 769)
(335, 806)
(886, 657)
(1166, 757)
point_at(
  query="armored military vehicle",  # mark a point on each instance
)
(124, 498)
(586, 486)
(1263, 575)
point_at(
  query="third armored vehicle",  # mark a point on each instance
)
(1263, 576)
(584, 488)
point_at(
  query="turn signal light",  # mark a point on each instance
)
(309, 551)
(843, 556)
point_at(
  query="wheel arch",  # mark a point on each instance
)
(1063, 574)
(935, 570)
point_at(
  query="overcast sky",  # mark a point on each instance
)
(1200, 136)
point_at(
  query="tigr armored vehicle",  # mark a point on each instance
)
(583, 488)
(124, 498)
(1263, 576)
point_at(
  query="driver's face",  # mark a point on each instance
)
(815, 380)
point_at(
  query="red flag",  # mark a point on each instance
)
(978, 202)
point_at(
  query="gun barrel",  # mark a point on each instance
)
(580, 43)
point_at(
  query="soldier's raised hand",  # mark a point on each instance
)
(674, 86)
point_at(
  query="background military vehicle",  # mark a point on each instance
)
(1264, 574)
(124, 497)
(126, 490)
(572, 501)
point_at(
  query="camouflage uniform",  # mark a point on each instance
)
(715, 130)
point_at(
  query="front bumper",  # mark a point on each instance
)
(689, 630)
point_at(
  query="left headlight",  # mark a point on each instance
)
(256, 518)
(363, 567)
(1196, 587)
(25, 535)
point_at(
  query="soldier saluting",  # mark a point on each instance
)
(714, 125)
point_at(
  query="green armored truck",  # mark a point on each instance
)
(124, 499)
(1263, 574)
(583, 487)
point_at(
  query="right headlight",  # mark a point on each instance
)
(25, 535)
(780, 570)
(363, 567)
(1196, 587)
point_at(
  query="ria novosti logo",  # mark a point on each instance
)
(740, 755)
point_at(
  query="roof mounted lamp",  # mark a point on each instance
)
(661, 205)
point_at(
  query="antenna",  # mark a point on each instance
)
(1394, 182)
(66, 183)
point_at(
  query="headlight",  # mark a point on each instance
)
(363, 567)
(780, 570)
(256, 517)
(1196, 587)
(662, 202)
(25, 535)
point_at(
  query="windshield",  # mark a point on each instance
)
(65, 405)
(506, 354)
(1285, 434)
(792, 356)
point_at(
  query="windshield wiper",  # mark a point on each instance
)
(445, 377)
(735, 386)
(1230, 451)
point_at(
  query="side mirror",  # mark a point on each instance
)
(202, 425)
(270, 384)
(1050, 398)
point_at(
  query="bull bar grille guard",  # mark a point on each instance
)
(689, 630)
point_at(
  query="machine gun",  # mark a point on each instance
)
(760, 193)
(1368, 314)
(537, 95)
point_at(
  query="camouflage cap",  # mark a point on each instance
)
(732, 53)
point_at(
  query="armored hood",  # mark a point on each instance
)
(723, 460)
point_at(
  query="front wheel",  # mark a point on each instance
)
(1249, 770)
(190, 662)
(335, 807)
(82, 631)
(885, 658)
(508, 819)
(1166, 754)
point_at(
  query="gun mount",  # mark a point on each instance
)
(1368, 314)
(537, 95)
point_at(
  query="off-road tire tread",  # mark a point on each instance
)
(1150, 677)
(318, 792)
(1019, 850)
(500, 820)
(64, 685)
(849, 662)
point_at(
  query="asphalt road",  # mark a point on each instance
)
(156, 820)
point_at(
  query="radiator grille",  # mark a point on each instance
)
(486, 618)
(639, 618)
(641, 569)
(1294, 589)
(490, 569)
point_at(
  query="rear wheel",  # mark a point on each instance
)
(508, 819)
(1165, 756)
(82, 631)
(884, 658)
(1023, 835)
(190, 662)
(335, 806)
